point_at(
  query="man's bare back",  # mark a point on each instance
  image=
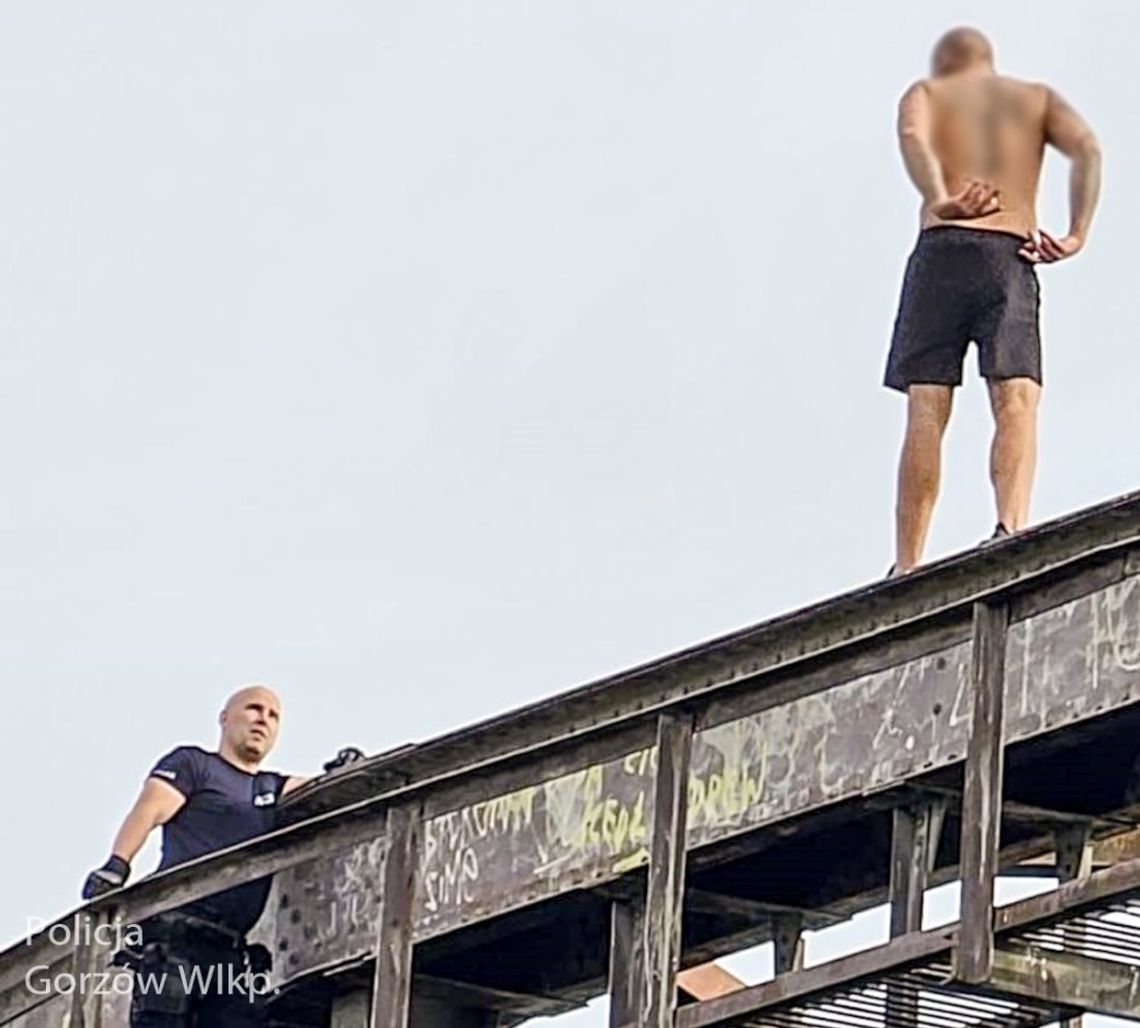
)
(973, 143)
(992, 129)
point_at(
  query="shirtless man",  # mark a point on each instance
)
(973, 142)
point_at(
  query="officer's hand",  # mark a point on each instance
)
(112, 875)
(349, 755)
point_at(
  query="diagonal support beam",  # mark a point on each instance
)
(982, 795)
(1069, 980)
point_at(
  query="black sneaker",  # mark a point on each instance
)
(1000, 532)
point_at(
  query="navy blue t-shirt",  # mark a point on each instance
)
(224, 805)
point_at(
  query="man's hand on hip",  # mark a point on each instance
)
(1046, 249)
(975, 201)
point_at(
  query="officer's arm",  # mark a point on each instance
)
(157, 803)
(348, 755)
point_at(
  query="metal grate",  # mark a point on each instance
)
(1109, 932)
(918, 998)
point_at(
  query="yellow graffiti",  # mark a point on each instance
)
(724, 796)
(504, 814)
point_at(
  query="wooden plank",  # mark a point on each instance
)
(627, 963)
(982, 794)
(665, 890)
(392, 983)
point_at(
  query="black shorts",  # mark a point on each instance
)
(963, 285)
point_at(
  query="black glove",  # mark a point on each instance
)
(112, 875)
(349, 755)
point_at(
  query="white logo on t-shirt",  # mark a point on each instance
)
(266, 799)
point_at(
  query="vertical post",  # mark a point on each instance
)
(982, 794)
(665, 892)
(914, 840)
(915, 834)
(787, 942)
(392, 983)
(90, 957)
(1074, 860)
(627, 936)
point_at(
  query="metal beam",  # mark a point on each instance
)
(787, 941)
(914, 840)
(982, 794)
(744, 908)
(665, 891)
(392, 983)
(915, 833)
(1069, 979)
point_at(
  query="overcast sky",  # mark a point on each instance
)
(425, 359)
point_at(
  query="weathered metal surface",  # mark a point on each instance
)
(323, 912)
(862, 614)
(1070, 979)
(1063, 665)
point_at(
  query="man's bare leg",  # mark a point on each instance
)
(1013, 456)
(920, 470)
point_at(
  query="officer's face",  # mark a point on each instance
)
(250, 722)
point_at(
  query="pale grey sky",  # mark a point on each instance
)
(425, 359)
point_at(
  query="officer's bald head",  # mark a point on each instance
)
(249, 722)
(962, 49)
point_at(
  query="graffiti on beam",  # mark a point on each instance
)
(1066, 664)
(594, 824)
(456, 842)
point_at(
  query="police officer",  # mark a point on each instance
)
(192, 958)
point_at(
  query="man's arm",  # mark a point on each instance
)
(1070, 134)
(348, 755)
(915, 129)
(157, 803)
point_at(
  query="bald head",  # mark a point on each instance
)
(249, 723)
(962, 49)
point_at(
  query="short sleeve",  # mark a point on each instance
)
(180, 768)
